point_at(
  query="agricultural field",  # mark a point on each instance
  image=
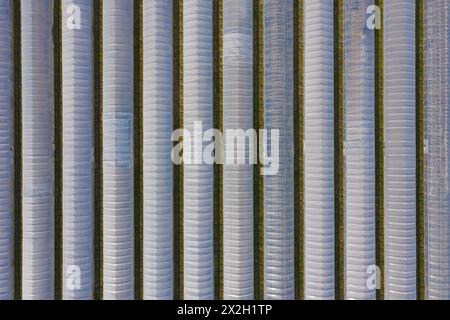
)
(342, 107)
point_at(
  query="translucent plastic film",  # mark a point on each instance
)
(319, 150)
(198, 176)
(157, 163)
(399, 31)
(359, 150)
(238, 179)
(6, 142)
(37, 150)
(437, 117)
(78, 192)
(279, 185)
(118, 215)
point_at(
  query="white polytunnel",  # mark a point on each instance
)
(319, 229)
(118, 194)
(437, 151)
(77, 104)
(399, 32)
(238, 176)
(278, 117)
(198, 175)
(359, 150)
(37, 150)
(6, 144)
(157, 164)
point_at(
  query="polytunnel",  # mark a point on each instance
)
(238, 177)
(37, 150)
(118, 193)
(399, 31)
(157, 164)
(198, 176)
(437, 139)
(359, 111)
(6, 144)
(319, 232)
(278, 116)
(77, 196)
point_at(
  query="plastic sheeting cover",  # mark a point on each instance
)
(198, 178)
(118, 213)
(238, 179)
(437, 170)
(5, 150)
(77, 84)
(360, 250)
(278, 115)
(37, 150)
(157, 163)
(400, 149)
(319, 150)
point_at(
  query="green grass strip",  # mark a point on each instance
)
(138, 156)
(58, 142)
(218, 169)
(258, 123)
(17, 87)
(420, 108)
(339, 165)
(178, 170)
(379, 150)
(98, 150)
(298, 149)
